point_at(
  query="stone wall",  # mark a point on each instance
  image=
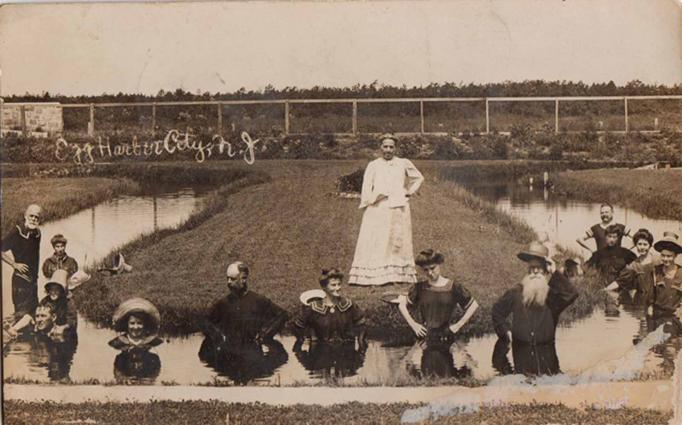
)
(38, 117)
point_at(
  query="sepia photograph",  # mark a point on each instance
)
(341, 212)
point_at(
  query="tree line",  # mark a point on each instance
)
(377, 90)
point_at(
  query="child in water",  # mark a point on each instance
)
(137, 323)
(62, 304)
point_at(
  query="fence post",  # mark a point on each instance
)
(556, 115)
(487, 116)
(421, 116)
(286, 117)
(24, 128)
(220, 118)
(154, 119)
(91, 124)
(355, 117)
(627, 123)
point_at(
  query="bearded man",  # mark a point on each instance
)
(21, 250)
(534, 305)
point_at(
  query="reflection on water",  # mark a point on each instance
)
(97, 231)
(563, 220)
(596, 339)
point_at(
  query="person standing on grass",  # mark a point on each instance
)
(535, 305)
(59, 260)
(21, 250)
(384, 252)
(598, 231)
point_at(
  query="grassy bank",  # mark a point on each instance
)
(290, 227)
(656, 193)
(59, 197)
(211, 412)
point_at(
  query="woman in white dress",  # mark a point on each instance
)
(384, 251)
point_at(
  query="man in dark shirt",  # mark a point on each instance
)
(598, 231)
(244, 316)
(21, 250)
(535, 306)
(610, 260)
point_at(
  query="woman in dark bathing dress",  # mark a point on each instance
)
(334, 322)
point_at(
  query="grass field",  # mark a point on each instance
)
(656, 193)
(59, 197)
(290, 227)
(211, 412)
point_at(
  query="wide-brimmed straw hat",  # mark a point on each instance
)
(669, 242)
(58, 278)
(428, 257)
(536, 250)
(77, 279)
(308, 297)
(136, 305)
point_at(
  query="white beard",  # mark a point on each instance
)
(535, 289)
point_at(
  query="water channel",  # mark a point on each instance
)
(95, 232)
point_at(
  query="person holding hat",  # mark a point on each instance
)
(332, 318)
(21, 250)
(666, 296)
(535, 305)
(384, 253)
(335, 321)
(63, 305)
(59, 260)
(436, 299)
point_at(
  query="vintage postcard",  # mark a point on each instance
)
(341, 212)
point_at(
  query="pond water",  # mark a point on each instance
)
(97, 231)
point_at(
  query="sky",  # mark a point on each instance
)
(222, 46)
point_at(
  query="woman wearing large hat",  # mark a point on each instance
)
(666, 296)
(137, 322)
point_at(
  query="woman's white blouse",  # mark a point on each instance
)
(394, 178)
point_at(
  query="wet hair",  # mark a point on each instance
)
(329, 274)
(614, 229)
(428, 257)
(643, 234)
(606, 204)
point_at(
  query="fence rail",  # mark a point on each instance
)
(627, 102)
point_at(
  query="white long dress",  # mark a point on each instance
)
(384, 251)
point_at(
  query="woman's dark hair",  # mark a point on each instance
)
(643, 234)
(329, 274)
(428, 257)
(614, 229)
(146, 321)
